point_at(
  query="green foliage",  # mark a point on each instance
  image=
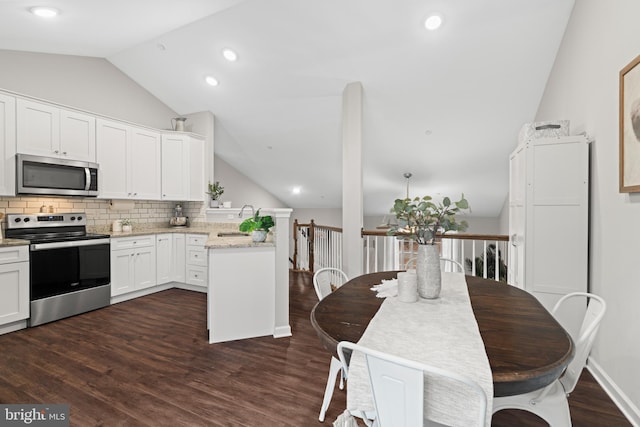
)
(491, 264)
(257, 223)
(215, 190)
(421, 219)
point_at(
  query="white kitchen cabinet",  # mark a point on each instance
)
(175, 167)
(164, 256)
(196, 260)
(196, 169)
(170, 258)
(47, 130)
(8, 145)
(548, 217)
(129, 159)
(14, 284)
(178, 260)
(133, 264)
(182, 167)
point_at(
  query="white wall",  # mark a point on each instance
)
(90, 84)
(601, 38)
(240, 190)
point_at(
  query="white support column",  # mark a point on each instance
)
(281, 328)
(352, 210)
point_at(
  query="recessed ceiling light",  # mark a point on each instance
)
(212, 81)
(433, 22)
(44, 12)
(296, 190)
(229, 55)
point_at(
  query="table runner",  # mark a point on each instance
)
(442, 332)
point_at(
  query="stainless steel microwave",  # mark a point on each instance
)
(36, 175)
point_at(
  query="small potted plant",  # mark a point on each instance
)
(127, 225)
(258, 226)
(215, 191)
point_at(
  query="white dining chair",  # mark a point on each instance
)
(452, 262)
(397, 386)
(550, 403)
(443, 262)
(323, 279)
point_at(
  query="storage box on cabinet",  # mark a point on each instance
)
(133, 264)
(14, 284)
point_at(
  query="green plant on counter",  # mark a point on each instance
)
(257, 222)
(215, 190)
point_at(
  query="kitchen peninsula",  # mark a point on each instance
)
(247, 283)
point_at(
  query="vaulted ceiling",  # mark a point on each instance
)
(445, 105)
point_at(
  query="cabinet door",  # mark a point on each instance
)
(196, 169)
(175, 167)
(111, 154)
(122, 271)
(7, 145)
(144, 275)
(77, 136)
(179, 258)
(164, 258)
(517, 199)
(144, 169)
(14, 292)
(38, 128)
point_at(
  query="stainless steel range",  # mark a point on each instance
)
(69, 268)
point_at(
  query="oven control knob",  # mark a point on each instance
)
(18, 219)
(73, 218)
(79, 218)
(27, 220)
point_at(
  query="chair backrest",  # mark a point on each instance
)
(397, 386)
(411, 262)
(325, 277)
(452, 262)
(596, 308)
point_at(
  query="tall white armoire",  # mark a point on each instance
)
(549, 217)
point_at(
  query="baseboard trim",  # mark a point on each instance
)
(628, 409)
(282, 331)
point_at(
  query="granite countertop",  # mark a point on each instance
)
(13, 242)
(211, 230)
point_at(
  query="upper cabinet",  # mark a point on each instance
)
(47, 130)
(7, 145)
(182, 167)
(129, 159)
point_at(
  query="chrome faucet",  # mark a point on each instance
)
(253, 212)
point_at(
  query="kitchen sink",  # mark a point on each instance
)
(232, 234)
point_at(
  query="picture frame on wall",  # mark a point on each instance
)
(630, 127)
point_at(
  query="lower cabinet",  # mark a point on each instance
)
(196, 260)
(170, 257)
(133, 264)
(14, 284)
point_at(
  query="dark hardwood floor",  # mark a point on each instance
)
(147, 362)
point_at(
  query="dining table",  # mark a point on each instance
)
(526, 347)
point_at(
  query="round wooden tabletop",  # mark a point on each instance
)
(527, 348)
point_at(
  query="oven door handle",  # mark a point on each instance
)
(71, 244)
(87, 179)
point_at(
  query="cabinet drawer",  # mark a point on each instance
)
(132, 242)
(196, 256)
(196, 239)
(14, 254)
(197, 276)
